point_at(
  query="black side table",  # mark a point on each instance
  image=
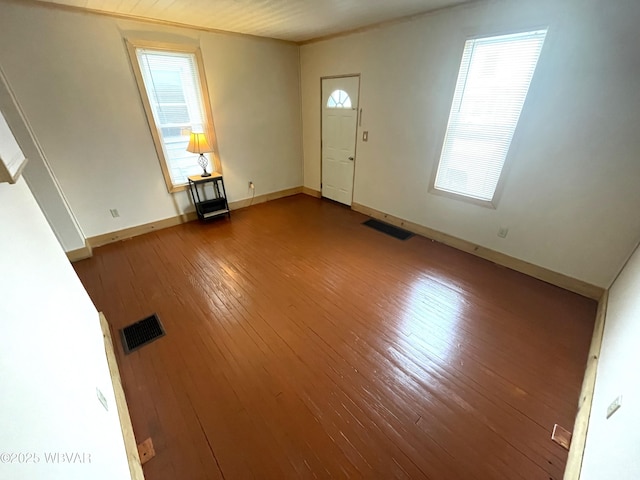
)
(212, 207)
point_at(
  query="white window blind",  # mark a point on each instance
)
(492, 85)
(172, 85)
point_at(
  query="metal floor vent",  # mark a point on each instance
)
(141, 333)
(395, 232)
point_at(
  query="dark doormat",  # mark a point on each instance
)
(141, 333)
(388, 229)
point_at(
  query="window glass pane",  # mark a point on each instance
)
(492, 85)
(339, 99)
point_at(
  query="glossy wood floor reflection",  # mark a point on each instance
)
(302, 344)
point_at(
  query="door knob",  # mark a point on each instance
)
(351, 158)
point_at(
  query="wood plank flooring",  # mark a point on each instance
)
(302, 344)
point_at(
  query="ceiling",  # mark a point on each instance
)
(293, 20)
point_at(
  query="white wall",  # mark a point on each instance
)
(571, 195)
(38, 175)
(72, 77)
(51, 356)
(613, 445)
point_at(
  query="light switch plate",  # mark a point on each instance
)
(614, 406)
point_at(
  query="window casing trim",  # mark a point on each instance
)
(214, 160)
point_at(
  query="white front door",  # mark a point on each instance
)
(339, 127)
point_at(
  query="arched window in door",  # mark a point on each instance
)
(339, 99)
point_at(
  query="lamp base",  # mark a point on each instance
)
(202, 161)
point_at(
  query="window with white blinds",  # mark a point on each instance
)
(492, 85)
(171, 83)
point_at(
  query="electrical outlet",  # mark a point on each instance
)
(502, 232)
(114, 213)
(251, 185)
(614, 406)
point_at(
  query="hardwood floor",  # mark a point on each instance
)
(301, 344)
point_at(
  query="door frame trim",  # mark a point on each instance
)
(355, 150)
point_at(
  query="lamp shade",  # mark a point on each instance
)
(198, 143)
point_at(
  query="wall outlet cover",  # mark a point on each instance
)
(102, 399)
(614, 406)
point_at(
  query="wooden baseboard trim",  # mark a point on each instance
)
(80, 253)
(124, 234)
(541, 273)
(104, 239)
(267, 197)
(135, 467)
(581, 425)
(311, 192)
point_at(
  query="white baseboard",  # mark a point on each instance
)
(106, 238)
(80, 253)
(560, 280)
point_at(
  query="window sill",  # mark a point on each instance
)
(178, 188)
(456, 196)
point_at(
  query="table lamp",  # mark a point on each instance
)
(198, 144)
